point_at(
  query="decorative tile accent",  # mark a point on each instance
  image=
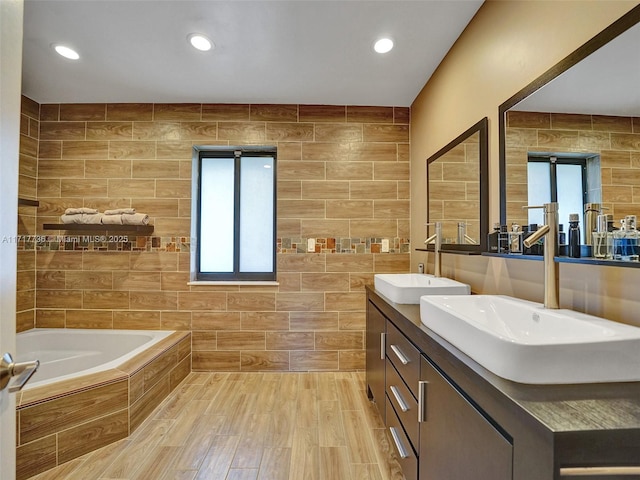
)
(124, 243)
(342, 245)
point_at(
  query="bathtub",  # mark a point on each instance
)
(67, 353)
(93, 388)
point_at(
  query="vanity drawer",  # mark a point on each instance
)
(401, 445)
(404, 404)
(404, 356)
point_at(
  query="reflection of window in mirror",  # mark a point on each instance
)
(570, 180)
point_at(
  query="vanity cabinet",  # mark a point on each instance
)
(457, 440)
(375, 356)
(476, 425)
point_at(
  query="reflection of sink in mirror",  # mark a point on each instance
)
(524, 342)
(409, 287)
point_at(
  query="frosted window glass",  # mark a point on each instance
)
(570, 195)
(216, 215)
(539, 189)
(256, 214)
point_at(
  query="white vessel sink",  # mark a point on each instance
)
(524, 342)
(409, 287)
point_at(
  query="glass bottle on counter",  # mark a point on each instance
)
(625, 240)
(603, 238)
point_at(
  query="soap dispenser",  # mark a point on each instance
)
(625, 240)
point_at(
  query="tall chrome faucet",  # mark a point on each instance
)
(436, 239)
(550, 229)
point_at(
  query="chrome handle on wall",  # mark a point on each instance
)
(396, 439)
(401, 356)
(401, 403)
(422, 401)
(9, 369)
(383, 342)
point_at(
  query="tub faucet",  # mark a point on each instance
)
(550, 229)
(436, 239)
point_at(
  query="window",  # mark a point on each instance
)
(555, 179)
(234, 214)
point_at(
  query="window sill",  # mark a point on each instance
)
(236, 282)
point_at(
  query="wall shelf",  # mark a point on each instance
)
(81, 227)
(28, 202)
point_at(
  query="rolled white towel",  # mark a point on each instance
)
(82, 218)
(79, 211)
(120, 211)
(72, 218)
(91, 218)
(111, 219)
(135, 219)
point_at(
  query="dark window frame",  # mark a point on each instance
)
(237, 153)
(553, 161)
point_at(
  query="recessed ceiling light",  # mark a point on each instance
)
(66, 52)
(383, 45)
(199, 41)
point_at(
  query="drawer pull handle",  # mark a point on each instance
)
(422, 401)
(383, 342)
(401, 356)
(396, 439)
(401, 403)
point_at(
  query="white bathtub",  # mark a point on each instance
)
(66, 353)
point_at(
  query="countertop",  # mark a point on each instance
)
(587, 417)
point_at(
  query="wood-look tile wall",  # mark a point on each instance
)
(615, 139)
(453, 189)
(343, 178)
(27, 177)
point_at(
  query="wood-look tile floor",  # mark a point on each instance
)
(247, 426)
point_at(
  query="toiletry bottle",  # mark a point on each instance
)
(562, 241)
(591, 212)
(492, 241)
(574, 235)
(625, 240)
(602, 238)
(633, 238)
(503, 240)
(515, 240)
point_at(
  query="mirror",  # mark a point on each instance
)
(584, 111)
(457, 191)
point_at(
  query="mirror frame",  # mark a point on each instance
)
(628, 20)
(482, 128)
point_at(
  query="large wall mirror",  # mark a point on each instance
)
(573, 135)
(457, 191)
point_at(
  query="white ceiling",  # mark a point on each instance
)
(285, 51)
(607, 82)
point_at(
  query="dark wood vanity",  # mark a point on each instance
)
(476, 425)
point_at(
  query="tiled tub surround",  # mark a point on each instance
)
(343, 177)
(64, 420)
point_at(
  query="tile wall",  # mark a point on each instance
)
(27, 190)
(615, 139)
(343, 179)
